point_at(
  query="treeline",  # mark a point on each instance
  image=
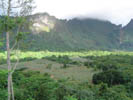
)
(35, 86)
(113, 81)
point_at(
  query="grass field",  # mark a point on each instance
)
(39, 61)
(41, 54)
(78, 73)
(92, 75)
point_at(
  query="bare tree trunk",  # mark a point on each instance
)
(9, 88)
(8, 55)
(24, 6)
(12, 89)
(9, 65)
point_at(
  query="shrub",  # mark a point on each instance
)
(2, 61)
(131, 86)
(36, 86)
(86, 64)
(3, 94)
(70, 98)
(49, 66)
(111, 77)
(3, 79)
(107, 66)
(64, 91)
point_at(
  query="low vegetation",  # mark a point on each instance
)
(97, 75)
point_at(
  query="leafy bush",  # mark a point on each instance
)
(49, 66)
(70, 98)
(3, 94)
(131, 86)
(86, 64)
(72, 93)
(111, 77)
(3, 79)
(60, 59)
(107, 66)
(34, 85)
(2, 61)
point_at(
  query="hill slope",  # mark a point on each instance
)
(50, 33)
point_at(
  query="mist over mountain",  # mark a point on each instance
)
(50, 33)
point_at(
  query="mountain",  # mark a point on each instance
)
(127, 36)
(129, 26)
(50, 33)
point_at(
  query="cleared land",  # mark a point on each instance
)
(71, 67)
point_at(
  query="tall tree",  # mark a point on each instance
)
(13, 13)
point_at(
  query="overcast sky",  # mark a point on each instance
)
(116, 11)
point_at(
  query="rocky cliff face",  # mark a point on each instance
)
(42, 23)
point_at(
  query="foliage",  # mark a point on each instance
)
(62, 57)
(111, 77)
(3, 81)
(76, 35)
(34, 85)
(70, 98)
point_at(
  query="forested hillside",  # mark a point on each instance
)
(50, 33)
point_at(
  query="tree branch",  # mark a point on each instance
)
(16, 41)
(14, 68)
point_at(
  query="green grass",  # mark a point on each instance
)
(43, 61)
(41, 54)
(76, 73)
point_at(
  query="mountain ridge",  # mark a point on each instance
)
(53, 34)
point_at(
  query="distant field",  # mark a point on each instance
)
(52, 63)
(41, 54)
(72, 73)
(76, 73)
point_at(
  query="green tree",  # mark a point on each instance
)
(12, 18)
(110, 78)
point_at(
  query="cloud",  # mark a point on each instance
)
(116, 11)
